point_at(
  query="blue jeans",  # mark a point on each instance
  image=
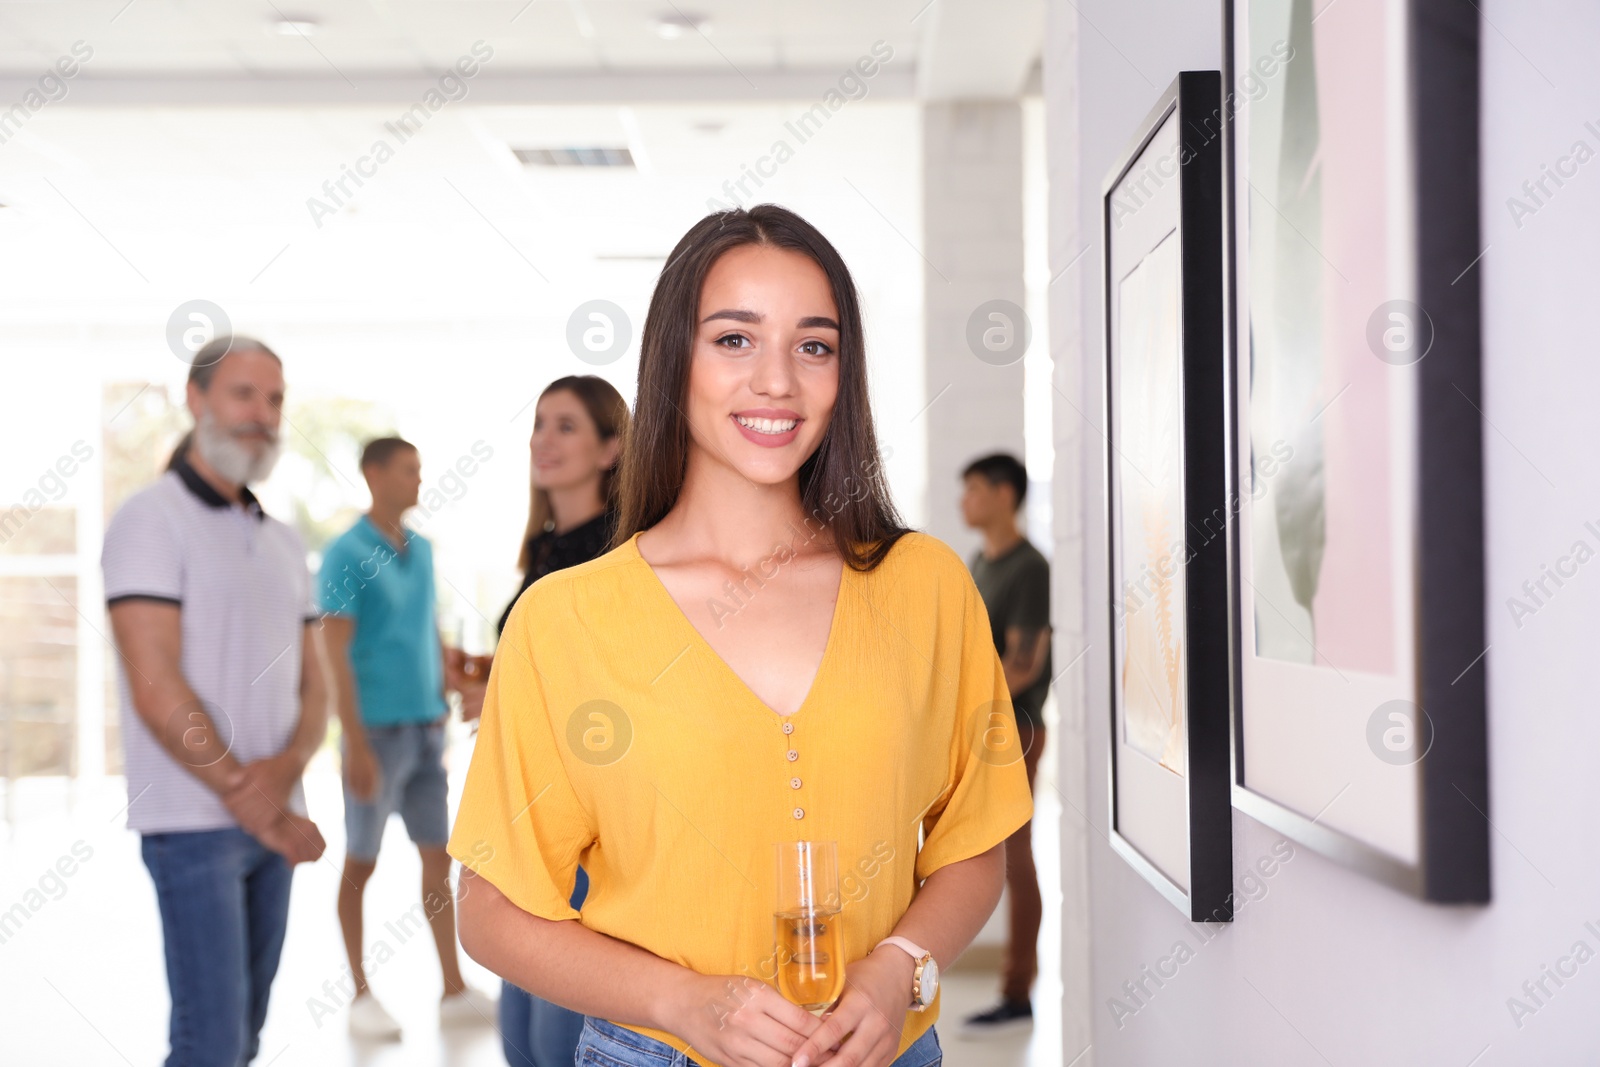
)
(533, 1031)
(605, 1044)
(224, 900)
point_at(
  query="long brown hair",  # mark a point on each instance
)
(841, 483)
(610, 414)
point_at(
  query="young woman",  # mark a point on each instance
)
(765, 655)
(578, 425)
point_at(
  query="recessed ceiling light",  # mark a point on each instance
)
(675, 24)
(295, 26)
(575, 157)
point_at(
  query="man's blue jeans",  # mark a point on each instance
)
(224, 901)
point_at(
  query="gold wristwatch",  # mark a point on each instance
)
(925, 979)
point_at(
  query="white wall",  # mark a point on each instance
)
(972, 241)
(1329, 967)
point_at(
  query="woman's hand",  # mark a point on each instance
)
(469, 676)
(738, 1021)
(455, 666)
(869, 1016)
(472, 694)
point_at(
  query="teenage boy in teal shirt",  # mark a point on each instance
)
(383, 637)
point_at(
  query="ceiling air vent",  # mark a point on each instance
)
(574, 157)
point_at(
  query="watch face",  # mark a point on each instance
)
(930, 981)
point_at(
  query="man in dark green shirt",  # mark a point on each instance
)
(1014, 579)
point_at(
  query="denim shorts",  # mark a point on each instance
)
(605, 1044)
(412, 781)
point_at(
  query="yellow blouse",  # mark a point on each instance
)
(615, 737)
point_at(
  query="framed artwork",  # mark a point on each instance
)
(1356, 466)
(1166, 432)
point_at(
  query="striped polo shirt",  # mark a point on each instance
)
(240, 580)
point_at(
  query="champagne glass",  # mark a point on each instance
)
(476, 664)
(810, 938)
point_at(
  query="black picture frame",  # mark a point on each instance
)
(1440, 87)
(1181, 134)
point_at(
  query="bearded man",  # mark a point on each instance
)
(222, 699)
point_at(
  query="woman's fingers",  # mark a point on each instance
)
(755, 1025)
(793, 1017)
(778, 1042)
(870, 1046)
(855, 1034)
(831, 1031)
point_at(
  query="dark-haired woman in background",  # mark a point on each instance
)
(767, 655)
(577, 437)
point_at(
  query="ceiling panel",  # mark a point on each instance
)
(242, 36)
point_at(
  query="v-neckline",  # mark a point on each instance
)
(402, 551)
(698, 638)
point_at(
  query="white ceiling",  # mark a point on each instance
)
(395, 35)
(174, 50)
(197, 125)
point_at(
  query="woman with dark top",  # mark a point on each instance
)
(578, 427)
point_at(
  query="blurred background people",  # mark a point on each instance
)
(211, 610)
(377, 588)
(1014, 579)
(578, 427)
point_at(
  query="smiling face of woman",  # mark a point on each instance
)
(566, 448)
(764, 372)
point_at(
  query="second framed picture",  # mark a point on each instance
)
(1362, 729)
(1166, 507)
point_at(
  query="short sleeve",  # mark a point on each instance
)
(339, 583)
(521, 825)
(1030, 608)
(312, 599)
(311, 602)
(140, 558)
(988, 797)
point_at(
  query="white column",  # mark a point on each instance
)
(1074, 260)
(972, 242)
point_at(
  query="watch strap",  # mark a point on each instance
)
(923, 958)
(906, 945)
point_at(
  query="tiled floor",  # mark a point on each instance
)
(81, 979)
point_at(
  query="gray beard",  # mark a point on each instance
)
(232, 460)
